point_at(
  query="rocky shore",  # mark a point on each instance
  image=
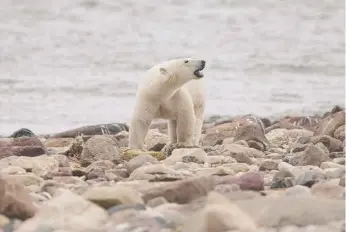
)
(248, 175)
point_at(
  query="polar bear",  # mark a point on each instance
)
(172, 90)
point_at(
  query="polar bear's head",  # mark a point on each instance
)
(183, 70)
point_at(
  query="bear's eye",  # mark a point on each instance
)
(186, 61)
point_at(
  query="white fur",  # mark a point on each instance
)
(170, 90)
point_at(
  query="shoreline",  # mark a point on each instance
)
(209, 120)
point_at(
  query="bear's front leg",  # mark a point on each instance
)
(141, 120)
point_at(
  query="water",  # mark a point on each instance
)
(70, 63)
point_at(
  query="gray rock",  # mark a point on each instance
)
(310, 178)
(283, 179)
(268, 165)
(313, 155)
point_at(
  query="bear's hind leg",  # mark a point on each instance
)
(172, 130)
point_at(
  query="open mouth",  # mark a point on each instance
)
(198, 72)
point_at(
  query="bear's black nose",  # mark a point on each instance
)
(203, 62)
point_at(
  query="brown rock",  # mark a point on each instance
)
(253, 134)
(299, 122)
(247, 128)
(22, 146)
(100, 147)
(248, 181)
(329, 124)
(331, 143)
(182, 191)
(340, 133)
(312, 155)
(268, 165)
(15, 201)
(75, 148)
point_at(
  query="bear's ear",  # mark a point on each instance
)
(163, 71)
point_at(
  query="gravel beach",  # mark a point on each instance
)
(248, 174)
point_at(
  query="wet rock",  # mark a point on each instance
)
(155, 172)
(67, 212)
(329, 124)
(247, 181)
(181, 191)
(328, 190)
(293, 210)
(15, 201)
(139, 161)
(268, 165)
(196, 155)
(309, 178)
(100, 147)
(23, 132)
(100, 129)
(219, 214)
(155, 140)
(107, 196)
(312, 155)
